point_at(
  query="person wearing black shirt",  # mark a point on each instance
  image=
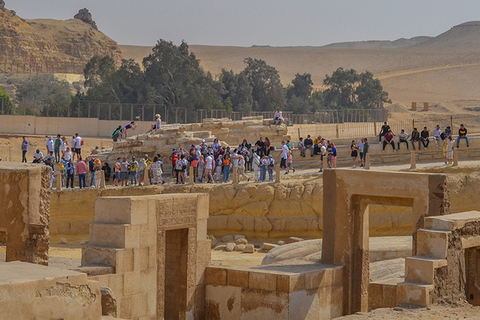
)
(462, 134)
(415, 138)
(308, 143)
(260, 144)
(383, 131)
(424, 138)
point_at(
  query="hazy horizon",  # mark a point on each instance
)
(259, 22)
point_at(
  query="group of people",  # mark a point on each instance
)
(442, 138)
(121, 132)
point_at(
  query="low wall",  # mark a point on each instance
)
(88, 127)
(259, 211)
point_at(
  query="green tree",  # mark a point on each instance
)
(267, 90)
(237, 91)
(302, 86)
(348, 90)
(6, 104)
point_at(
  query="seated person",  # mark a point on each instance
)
(157, 125)
(308, 144)
(462, 134)
(277, 117)
(424, 138)
(388, 139)
(37, 156)
(415, 137)
(437, 132)
(448, 131)
(403, 137)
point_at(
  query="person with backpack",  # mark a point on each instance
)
(116, 133)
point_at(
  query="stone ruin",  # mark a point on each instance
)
(86, 16)
(2, 4)
(148, 258)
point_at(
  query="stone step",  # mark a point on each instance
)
(452, 221)
(100, 255)
(415, 293)
(421, 269)
(432, 243)
(95, 269)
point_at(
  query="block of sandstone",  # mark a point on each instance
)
(292, 251)
(230, 246)
(227, 238)
(239, 247)
(268, 246)
(249, 248)
(241, 241)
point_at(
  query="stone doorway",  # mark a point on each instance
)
(176, 244)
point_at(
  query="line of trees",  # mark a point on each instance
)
(171, 76)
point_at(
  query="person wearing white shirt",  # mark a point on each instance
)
(284, 156)
(208, 168)
(78, 146)
(68, 155)
(49, 144)
(436, 136)
(403, 137)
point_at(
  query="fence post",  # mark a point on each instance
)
(375, 128)
(109, 111)
(58, 182)
(451, 123)
(277, 173)
(190, 175)
(78, 108)
(102, 179)
(367, 161)
(413, 164)
(455, 157)
(337, 131)
(235, 175)
(413, 124)
(131, 112)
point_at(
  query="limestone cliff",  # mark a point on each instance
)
(50, 46)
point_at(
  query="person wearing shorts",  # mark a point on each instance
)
(124, 167)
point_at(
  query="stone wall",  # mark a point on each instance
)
(259, 211)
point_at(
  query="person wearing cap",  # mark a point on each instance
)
(133, 171)
(49, 144)
(37, 156)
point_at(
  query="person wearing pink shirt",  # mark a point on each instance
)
(81, 172)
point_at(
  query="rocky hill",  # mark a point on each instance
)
(51, 46)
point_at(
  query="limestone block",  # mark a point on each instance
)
(217, 223)
(261, 304)
(416, 294)
(422, 269)
(293, 250)
(249, 248)
(241, 240)
(230, 246)
(237, 278)
(432, 243)
(220, 247)
(268, 246)
(222, 302)
(262, 224)
(256, 208)
(227, 238)
(239, 247)
(262, 281)
(141, 259)
(121, 210)
(291, 282)
(233, 224)
(99, 255)
(216, 276)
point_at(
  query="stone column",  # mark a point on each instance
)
(102, 179)
(277, 173)
(455, 157)
(235, 175)
(425, 106)
(146, 180)
(190, 175)
(414, 106)
(58, 182)
(413, 163)
(324, 162)
(367, 161)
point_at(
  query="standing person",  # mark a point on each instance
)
(78, 146)
(133, 171)
(383, 131)
(334, 156)
(424, 138)
(81, 169)
(91, 168)
(50, 145)
(436, 136)
(194, 164)
(290, 162)
(107, 171)
(403, 138)
(271, 166)
(277, 117)
(218, 168)
(116, 133)
(142, 165)
(156, 169)
(360, 149)
(70, 171)
(301, 147)
(57, 146)
(366, 147)
(388, 139)
(63, 147)
(174, 157)
(72, 147)
(241, 168)
(209, 165)
(124, 166)
(263, 168)
(462, 134)
(131, 125)
(284, 156)
(25, 145)
(449, 148)
(256, 164)
(117, 171)
(183, 167)
(226, 168)
(415, 137)
(354, 153)
(329, 153)
(444, 149)
(308, 144)
(68, 155)
(98, 172)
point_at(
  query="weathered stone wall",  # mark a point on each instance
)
(261, 211)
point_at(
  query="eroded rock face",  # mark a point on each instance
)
(2, 4)
(109, 303)
(86, 16)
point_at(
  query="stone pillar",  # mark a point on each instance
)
(102, 179)
(367, 161)
(235, 175)
(190, 175)
(425, 106)
(146, 180)
(277, 173)
(413, 158)
(414, 106)
(58, 181)
(455, 157)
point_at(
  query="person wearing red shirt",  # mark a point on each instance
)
(81, 172)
